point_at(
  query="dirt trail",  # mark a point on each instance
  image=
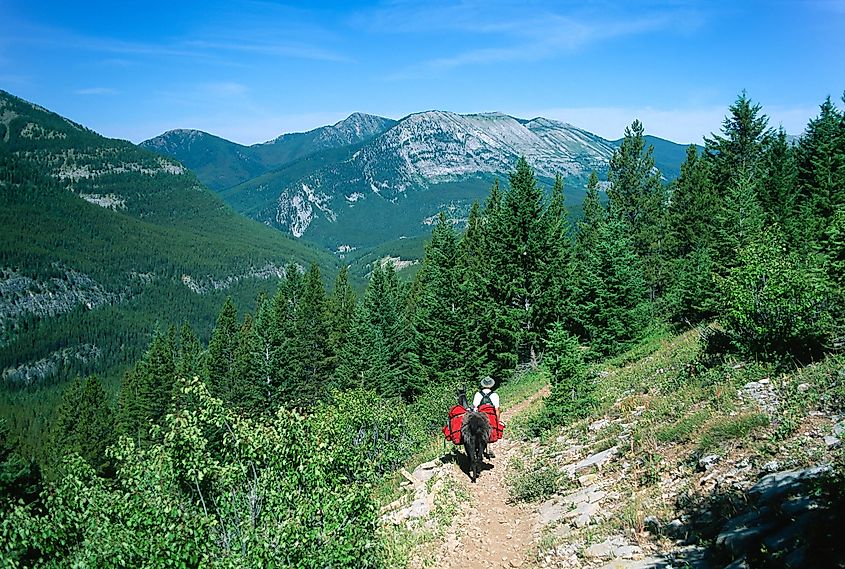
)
(495, 534)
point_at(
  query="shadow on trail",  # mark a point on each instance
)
(462, 461)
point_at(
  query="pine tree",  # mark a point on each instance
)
(736, 164)
(246, 392)
(189, 353)
(739, 151)
(778, 189)
(637, 197)
(557, 289)
(147, 389)
(312, 334)
(84, 424)
(341, 310)
(437, 312)
(821, 171)
(221, 351)
(20, 478)
(594, 215)
(692, 207)
(519, 248)
(612, 293)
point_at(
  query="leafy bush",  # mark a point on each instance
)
(274, 494)
(535, 484)
(775, 303)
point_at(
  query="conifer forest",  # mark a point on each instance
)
(270, 437)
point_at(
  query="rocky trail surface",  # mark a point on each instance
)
(493, 531)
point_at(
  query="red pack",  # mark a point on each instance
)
(452, 430)
(496, 426)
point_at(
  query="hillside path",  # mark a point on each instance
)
(496, 534)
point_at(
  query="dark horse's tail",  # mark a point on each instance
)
(475, 433)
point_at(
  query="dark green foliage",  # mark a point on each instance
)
(20, 478)
(638, 199)
(821, 169)
(222, 348)
(779, 186)
(84, 424)
(518, 248)
(571, 396)
(147, 389)
(341, 310)
(612, 293)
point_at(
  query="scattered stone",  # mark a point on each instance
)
(587, 479)
(627, 551)
(603, 549)
(773, 486)
(803, 387)
(831, 442)
(425, 471)
(763, 394)
(597, 460)
(709, 461)
(771, 466)
(551, 511)
(839, 429)
(599, 425)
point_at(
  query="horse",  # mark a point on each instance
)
(475, 432)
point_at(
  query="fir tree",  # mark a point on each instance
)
(778, 189)
(637, 197)
(612, 293)
(341, 310)
(593, 216)
(84, 424)
(147, 389)
(221, 351)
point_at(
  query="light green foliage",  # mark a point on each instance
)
(273, 494)
(534, 484)
(775, 302)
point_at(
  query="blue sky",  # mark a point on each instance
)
(251, 70)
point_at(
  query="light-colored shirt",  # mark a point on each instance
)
(494, 398)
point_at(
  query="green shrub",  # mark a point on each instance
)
(535, 484)
(775, 303)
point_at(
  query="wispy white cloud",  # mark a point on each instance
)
(508, 32)
(97, 91)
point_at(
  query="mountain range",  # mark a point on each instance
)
(369, 180)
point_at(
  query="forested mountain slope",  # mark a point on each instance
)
(102, 240)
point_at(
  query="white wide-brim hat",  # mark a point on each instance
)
(488, 382)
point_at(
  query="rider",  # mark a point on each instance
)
(486, 396)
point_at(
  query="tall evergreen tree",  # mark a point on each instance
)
(84, 424)
(221, 351)
(147, 389)
(779, 187)
(637, 197)
(312, 332)
(821, 170)
(438, 318)
(556, 299)
(519, 249)
(736, 165)
(612, 293)
(593, 216)
(341, 310)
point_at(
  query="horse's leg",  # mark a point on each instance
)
(469, 447)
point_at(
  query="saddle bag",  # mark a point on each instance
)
(496, 426)
(452, 430)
